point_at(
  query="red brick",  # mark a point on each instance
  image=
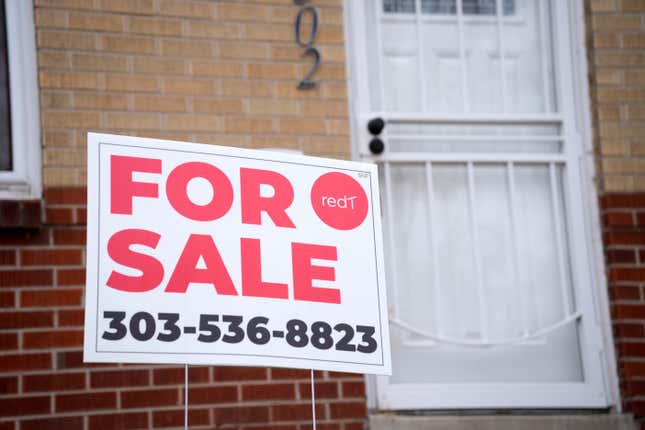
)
(53, 423)
(85, 401)
(23, 362)
(631, 311)
(298, 412)
(70, 236)
(26, 319)
(324, 390)
(347, 410)
(627, 274)
(624, 201)
(345, 375)
(285, 373)
(20, 214)
(632, 368)
(25, 278)
(624, 292)
(24, 237)
(17, 406)
(635, 406)
(621, 256)
(623, 330)
(203, 395)
(631, 349)
(8, 341)
(268, 392)
(58, 297)
(7, 257)
(81, 215)
(175, 375)
(52, 339)
(640, 219)
(69, 359)
(618, 219)
(323, 426)
(123, 421)
(146, 398)
(119, 378)
(634, 387)
(53, 382)
(31, 214)
(235, 415)
(276, 427)
(225, 373)
(10, 215)
(7, 425)
(70, 318)
(66, 196)
(353, 389)
(73, 360)
(175, 418)
(65, 277)
(59, 216)
(629, 237)
(8, 385)
(7, 299)
(51, 257)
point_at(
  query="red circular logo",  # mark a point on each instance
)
(339, 201)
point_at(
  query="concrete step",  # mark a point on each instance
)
(504, 422)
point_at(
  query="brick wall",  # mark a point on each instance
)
(616, 30)
(45, 385)
(220, 72)
(624, 235)
(617, 62)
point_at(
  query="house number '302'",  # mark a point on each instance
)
(307, 43)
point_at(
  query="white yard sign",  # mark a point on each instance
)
(203, 254)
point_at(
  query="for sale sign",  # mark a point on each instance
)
(210, 255)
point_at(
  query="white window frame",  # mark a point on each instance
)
(24, 180)
(571, 56)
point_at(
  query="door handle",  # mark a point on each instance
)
(376, 146)
(375, 126)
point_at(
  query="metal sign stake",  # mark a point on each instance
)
(313, 401)
(186, 396)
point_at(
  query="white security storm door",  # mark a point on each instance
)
(488, 269)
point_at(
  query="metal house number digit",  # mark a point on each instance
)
(307, 82)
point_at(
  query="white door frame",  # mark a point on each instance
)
(570, 56)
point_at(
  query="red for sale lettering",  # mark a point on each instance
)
(202, 248)
(123, 189)
(215, 272)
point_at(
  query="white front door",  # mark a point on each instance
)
(488, 270)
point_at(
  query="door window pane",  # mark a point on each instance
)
(399, 6)
(481, 255)
(470, 7)
(528, 65)
(444, 7)
(484, 63)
